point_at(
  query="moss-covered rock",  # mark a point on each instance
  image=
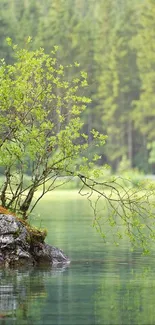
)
(21, 244)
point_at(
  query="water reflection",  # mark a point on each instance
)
(22, 292)
(85, 293)
(127, 297)
(103, 285)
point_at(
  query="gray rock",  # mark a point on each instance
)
(45, 252)
(18, 248)
(8, 224)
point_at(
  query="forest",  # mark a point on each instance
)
(113, 41)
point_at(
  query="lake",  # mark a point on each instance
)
(103, 285)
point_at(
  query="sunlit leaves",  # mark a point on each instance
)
(41, 121)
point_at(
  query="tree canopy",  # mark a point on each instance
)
(42, 134)
(40, 124)
(113, 41)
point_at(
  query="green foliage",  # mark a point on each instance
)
(129, 176)
(40, 125)
(129, 210)
(143, 43)
(124, 165)
(118, 81)
(46, 131)
(151, 147)
(107, 38)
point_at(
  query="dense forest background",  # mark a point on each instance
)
(114, 42)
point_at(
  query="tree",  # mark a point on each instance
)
(118, 78)
(143, 42)
(72, 26)
(38, 137)
(36, 133)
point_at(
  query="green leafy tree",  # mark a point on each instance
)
(36, 135)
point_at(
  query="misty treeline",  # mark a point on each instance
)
(114, 42)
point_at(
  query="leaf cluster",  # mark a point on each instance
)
(40, 124)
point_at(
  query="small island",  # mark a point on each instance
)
(23, 245)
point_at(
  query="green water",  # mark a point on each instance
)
(103, 285)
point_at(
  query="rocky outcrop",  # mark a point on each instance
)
(18, 246)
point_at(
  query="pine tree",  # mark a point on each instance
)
(118, 85)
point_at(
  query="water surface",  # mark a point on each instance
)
(104, 284)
